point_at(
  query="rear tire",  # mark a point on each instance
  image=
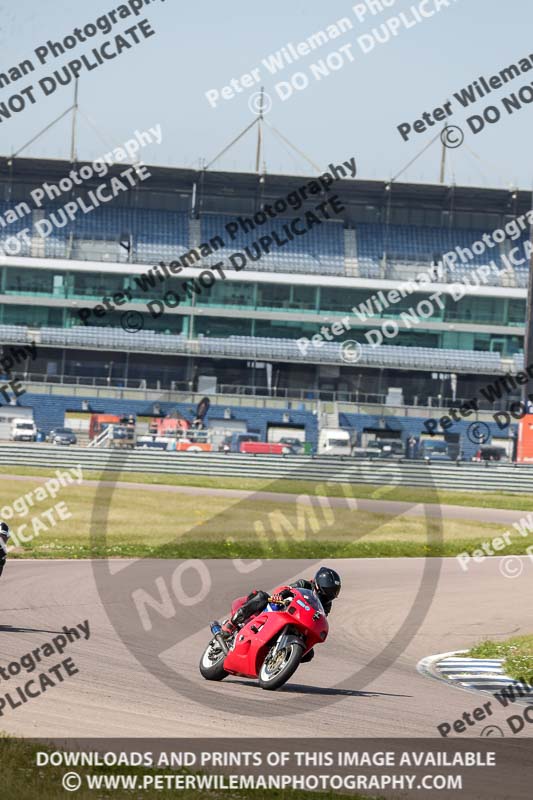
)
(272, 678)
(212, 669)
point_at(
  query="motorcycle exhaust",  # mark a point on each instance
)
(216, 630)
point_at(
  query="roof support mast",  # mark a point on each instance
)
(260, 129)
(75, 107)
(443, 157)
(259, 121)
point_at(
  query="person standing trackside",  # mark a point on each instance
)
(4, 536)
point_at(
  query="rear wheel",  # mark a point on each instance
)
(212, 662)
(278, 667)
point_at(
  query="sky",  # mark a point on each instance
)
(355, 111)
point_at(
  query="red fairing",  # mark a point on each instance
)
(254, 640)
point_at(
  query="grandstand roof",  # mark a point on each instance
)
(225, 185)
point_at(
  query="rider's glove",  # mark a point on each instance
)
(283, 597)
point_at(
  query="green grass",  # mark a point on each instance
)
(517, 653)
(113, 520)
(309, 550)
(23, 780)
(105, 522)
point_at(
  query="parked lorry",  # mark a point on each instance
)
(122, 429)
(334, 442)
(434, 450)
(23, 430)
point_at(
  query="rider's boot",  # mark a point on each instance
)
(228, 628)
(231, 625)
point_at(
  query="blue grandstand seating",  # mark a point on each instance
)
(160, 235)
(57, 246)
(12, 229)
(262, 348)
(521, 271)
(164, 235)
(320, 251)
(519, 361)
(14, 334)
(157, 235)
(412, 248)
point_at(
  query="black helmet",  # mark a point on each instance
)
(328, 583)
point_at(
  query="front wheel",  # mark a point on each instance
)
(278, 667)
(212, 662)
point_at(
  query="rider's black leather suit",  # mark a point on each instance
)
(257, 601)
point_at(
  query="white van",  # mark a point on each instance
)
(23, 430)
(334, 442)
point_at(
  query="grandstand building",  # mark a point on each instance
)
(244, 333)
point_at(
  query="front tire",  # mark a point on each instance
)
(275, 672)
(212, 663)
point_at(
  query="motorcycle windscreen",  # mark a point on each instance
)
(308, 612)
(312, 599)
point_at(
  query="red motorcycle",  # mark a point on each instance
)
(271, 644)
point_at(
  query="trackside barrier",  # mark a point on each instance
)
(466, 477)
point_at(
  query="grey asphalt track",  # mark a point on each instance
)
(393, 507)
(113, 695)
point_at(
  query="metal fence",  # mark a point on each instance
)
(493, 477)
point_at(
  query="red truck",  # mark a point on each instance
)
(251, 444)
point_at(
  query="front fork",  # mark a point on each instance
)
(285, 639)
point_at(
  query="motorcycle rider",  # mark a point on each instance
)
(4, 536)
(326, 584)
